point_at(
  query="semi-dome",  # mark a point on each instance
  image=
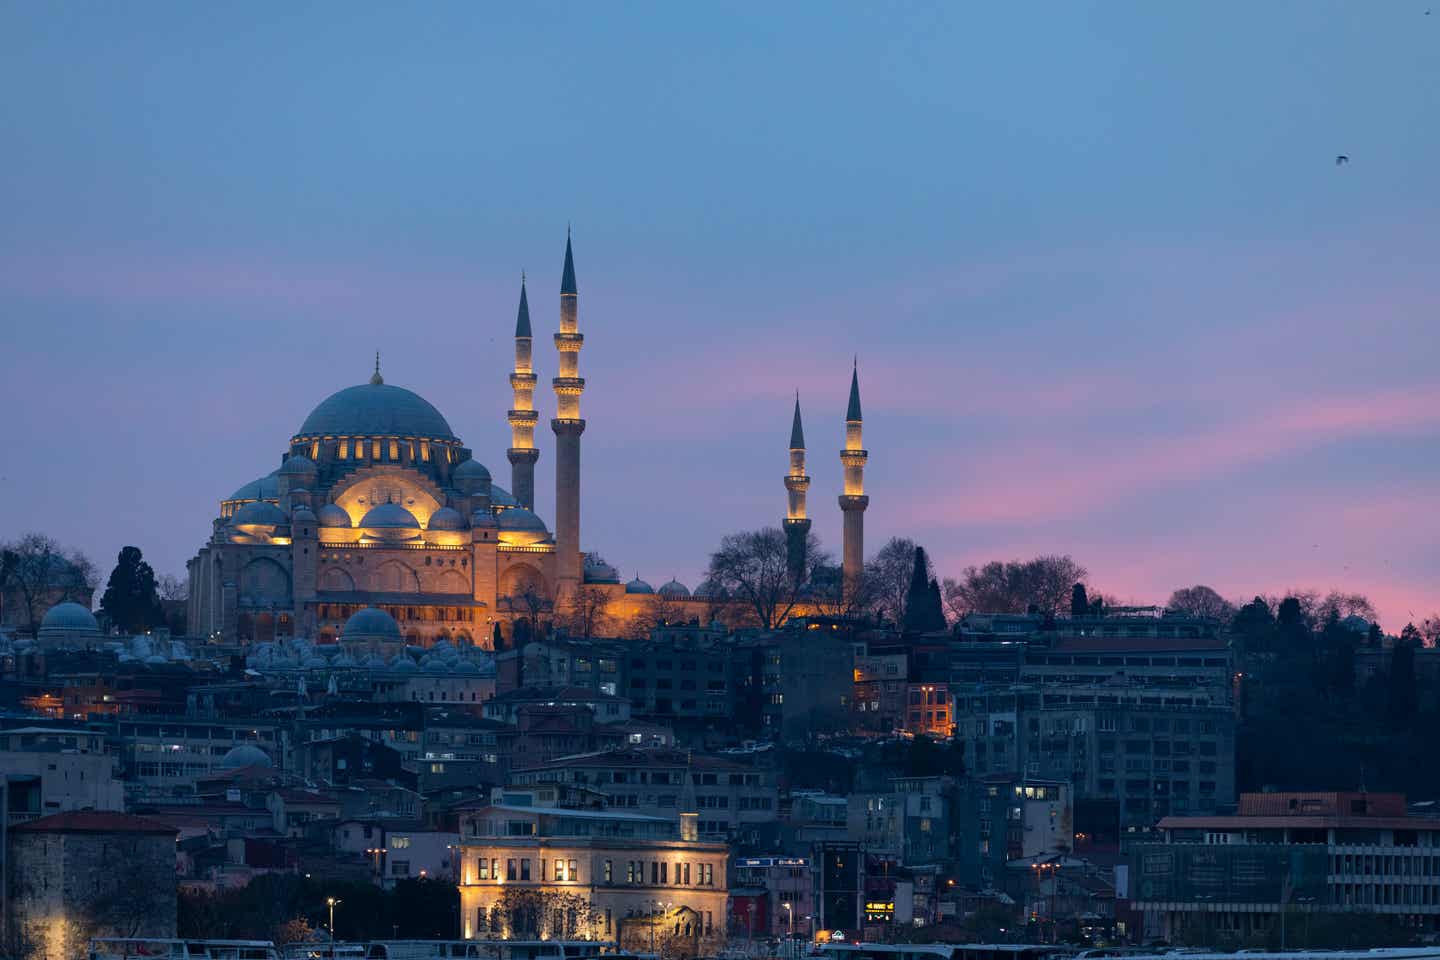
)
(298, 465)
(674, 590)
(501, 497)
(376, 410)
(370, 625)
(259, 513)
(391, 522)
(447, 518)
(69, 617)
(638, 586)
(245, 755)
(333, 515)
(265, 488)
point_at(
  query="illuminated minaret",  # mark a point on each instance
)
(522, 452)
(568, 427)
(853, 501)
(797, 525)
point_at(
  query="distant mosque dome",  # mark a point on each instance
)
(674, 590)
(376, 409)
(333, 515)
(245, 755)
(638, 586)
(390, 521)
(68, 624)
(446, 518)
(370, 626)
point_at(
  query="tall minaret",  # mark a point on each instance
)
(853, 501)
(797, 525)
(568, 426)
(522, 452)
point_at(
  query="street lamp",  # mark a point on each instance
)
(330, 902)
(790, 912)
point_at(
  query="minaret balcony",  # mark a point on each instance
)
(569, 385)
(849, 502)
(518, 379)
(569, 342)
(800, 482)
(522, 416)
(854, 458)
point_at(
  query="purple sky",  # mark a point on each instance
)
(1112, 296)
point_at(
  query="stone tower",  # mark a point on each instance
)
(568, 427)
(853, 501)
(522, 452)
(797, 524)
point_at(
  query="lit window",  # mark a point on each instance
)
(425, 450)
(344, 453)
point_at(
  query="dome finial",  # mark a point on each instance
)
(375, 377)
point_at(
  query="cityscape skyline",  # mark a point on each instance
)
(1217, 374)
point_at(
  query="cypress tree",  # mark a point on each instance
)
(131, 599)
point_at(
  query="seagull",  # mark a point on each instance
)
(1341, 160)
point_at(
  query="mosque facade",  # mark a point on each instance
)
(378, 504)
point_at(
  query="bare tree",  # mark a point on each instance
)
(1201, 601)
(36, 573)
(887, 578)
(656, 611)
(752, 567)
(171, 587)
(526, 599)
(1341, 605)
(586, 613)
(1043, 585)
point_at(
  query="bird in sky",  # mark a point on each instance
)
(1341, 160)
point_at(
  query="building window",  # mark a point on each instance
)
(609, 873)
(510, 870)
(344, 451)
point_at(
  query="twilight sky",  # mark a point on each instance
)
(1111, 295)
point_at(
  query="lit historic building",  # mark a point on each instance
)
(646, 883)
(377, 503)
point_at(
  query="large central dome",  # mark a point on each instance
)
(376, 410)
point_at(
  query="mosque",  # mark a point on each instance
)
(377, 504)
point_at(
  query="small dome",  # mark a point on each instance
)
(69, 617)
(436, 666)
(467, 667)
(471, 469)
(303, 514)
(520, 519)
(638, 586)
(156, 660)
(333, 515)
(298, 466)
(675, 590)
(447, 518)
(501, 497)
(345, 660)
(403, 664)
(598, 571)
(370, 625)
(245, 755)
(376, 662)
(259, 513)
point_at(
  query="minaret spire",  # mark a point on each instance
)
(568, 427)
(375, 377)
(797, 524)
(522, 453)
(853, 501)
